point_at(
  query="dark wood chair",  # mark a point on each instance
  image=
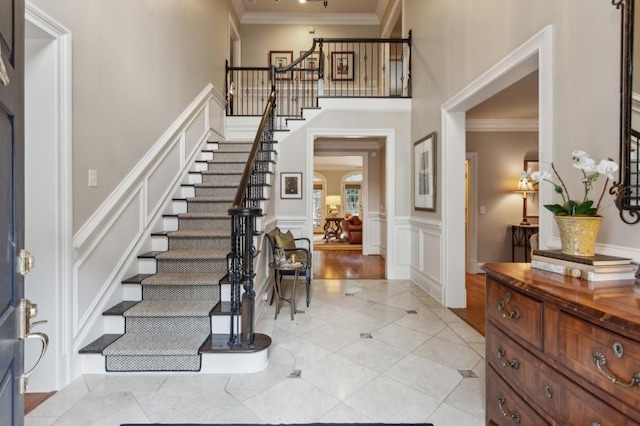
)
(303, 255)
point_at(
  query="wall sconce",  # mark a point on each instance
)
(525, 187)
(333, 201)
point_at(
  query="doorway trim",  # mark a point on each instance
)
(61, 173)
(393, 268)
(535, 53)
(472, 214)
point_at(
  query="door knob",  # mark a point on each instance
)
(27, 311)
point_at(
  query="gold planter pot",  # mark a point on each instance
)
(578, 234)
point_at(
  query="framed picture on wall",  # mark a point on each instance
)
(281, 59)
(291, 185)
(342, 66)
(424, 173)
(311, 61)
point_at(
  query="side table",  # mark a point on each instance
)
(332, 228)
(296, 267)
(520, 236)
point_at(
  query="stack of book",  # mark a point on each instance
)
(599, 267)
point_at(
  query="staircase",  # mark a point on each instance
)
(185, 304)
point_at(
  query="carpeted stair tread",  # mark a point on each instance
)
(200, 233)
(174, 278)
(215, 173)
(213, 185)
(210, 199)
(142, 344)
(193, 255)
(171, 308)
(199, 215)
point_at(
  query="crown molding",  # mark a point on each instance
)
(309, 18)
(502, 125)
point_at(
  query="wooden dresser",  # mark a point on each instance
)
(558, 352)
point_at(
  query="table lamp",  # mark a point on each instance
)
(524, 186)
(333, 201)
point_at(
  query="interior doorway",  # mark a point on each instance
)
(535, 54)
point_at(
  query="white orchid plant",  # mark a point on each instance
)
(590, 174)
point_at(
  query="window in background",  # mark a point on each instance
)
(352, 188)
(317, 205)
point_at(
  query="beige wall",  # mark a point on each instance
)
(137, 64)
(456, 41)
(258, 40)
(500, 158)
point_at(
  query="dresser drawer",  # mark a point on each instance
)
(516, 313)
(543, 387)
(523, 371)
(594, 353)
(505, 407)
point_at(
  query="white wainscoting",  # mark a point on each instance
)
(373, 232)
(107, 246)
(426, 240)
(398, 260)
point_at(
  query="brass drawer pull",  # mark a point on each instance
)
(601, 361)
(548, 391)
(515, 314)
(513, 417)
(514, 363)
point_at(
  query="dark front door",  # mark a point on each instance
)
(11, 207)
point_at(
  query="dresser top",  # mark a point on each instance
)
(614, 305)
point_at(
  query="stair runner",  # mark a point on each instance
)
(165, 331)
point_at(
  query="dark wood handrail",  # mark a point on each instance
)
(248, 169)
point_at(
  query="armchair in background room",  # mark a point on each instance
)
(353, 229)
(301, 247)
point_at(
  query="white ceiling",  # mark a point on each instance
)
(518, 101)
(363, 12)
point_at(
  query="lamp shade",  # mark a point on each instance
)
(524, 185)
(333, 200)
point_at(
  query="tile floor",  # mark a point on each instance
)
(364, 351)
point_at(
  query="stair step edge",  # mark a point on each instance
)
(98, 345)
(136, 279)
(120, 308)
(217, 343)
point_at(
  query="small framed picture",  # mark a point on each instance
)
(290, 185)
(342, 66)
(311, 61)
(424, 173)
(281, 59)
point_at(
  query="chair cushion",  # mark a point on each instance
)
(272, 234)
(285, 241)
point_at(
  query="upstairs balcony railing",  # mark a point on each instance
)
(353, 68)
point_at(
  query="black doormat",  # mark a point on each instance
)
(288, 424)
(258, 424)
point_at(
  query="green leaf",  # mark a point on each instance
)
(585, 209)
(556, 209)
(572, 208)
